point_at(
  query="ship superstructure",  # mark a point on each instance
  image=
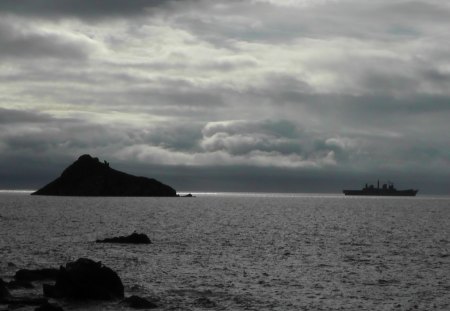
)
(387, 189)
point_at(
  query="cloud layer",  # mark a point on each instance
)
(305, 90)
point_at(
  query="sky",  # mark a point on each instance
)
(228, 95)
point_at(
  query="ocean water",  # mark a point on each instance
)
(243, 251)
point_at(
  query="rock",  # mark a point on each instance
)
(134, 238)
(23, 301)
(6, 298)
(4, 292)
(137, 302)
(49, 307)
(51, 291)
(89, 177)
(19, 284)
(36, 275)
(189, 195)
(15, 302)
(86, 279)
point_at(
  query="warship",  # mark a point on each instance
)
(385, 190)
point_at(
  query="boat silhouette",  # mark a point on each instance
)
(385, 190)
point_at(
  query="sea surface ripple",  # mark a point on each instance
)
(244, 251)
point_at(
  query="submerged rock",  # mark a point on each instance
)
(26, 301)
(4, 292)
(36, 275)
(189, 195)
(86, 279)
(137, 302)
(89, 177)
(7, 298)
(16, 284)
(49, 307)
(134, 238)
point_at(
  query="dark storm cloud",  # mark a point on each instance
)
(12, 116)
(259, 95)
(417, 10)
(20, 40)
(180, 137)
(41, 134)
(363, 106)
(29, 132)
(384, 96)
(273, 22)
(82, 9)
(177, 96)
(275, 151)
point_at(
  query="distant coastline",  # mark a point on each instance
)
(252, 194)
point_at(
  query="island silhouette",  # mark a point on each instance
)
(87, 176)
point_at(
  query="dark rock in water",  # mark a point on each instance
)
(7, 298)
(19, 284)
(17, 302)
(86, 279)
(23, 301)
(89, 177)
(189, 195)
(49, 307)
(134, 238)
(36, 275)
(205, 302)
(137, 302)
(4, 292)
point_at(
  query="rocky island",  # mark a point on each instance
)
(89, 177)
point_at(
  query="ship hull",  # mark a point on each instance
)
(380, 192)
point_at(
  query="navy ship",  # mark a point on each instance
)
(385, 190)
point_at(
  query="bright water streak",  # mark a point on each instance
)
(245, 252)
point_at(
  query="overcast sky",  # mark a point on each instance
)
(243, 95)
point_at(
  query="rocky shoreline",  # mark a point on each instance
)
(81, 280)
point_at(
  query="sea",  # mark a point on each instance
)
(242, 251)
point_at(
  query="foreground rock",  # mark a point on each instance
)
(26, 301)
(7, 298)
(48, 307)
(16, 284)
(189, 195)
(4, 292)
(134, 238)
(36, 275)
(137, 302)
(89, 177)
(86, 279)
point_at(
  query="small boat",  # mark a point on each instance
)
(385, 190)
